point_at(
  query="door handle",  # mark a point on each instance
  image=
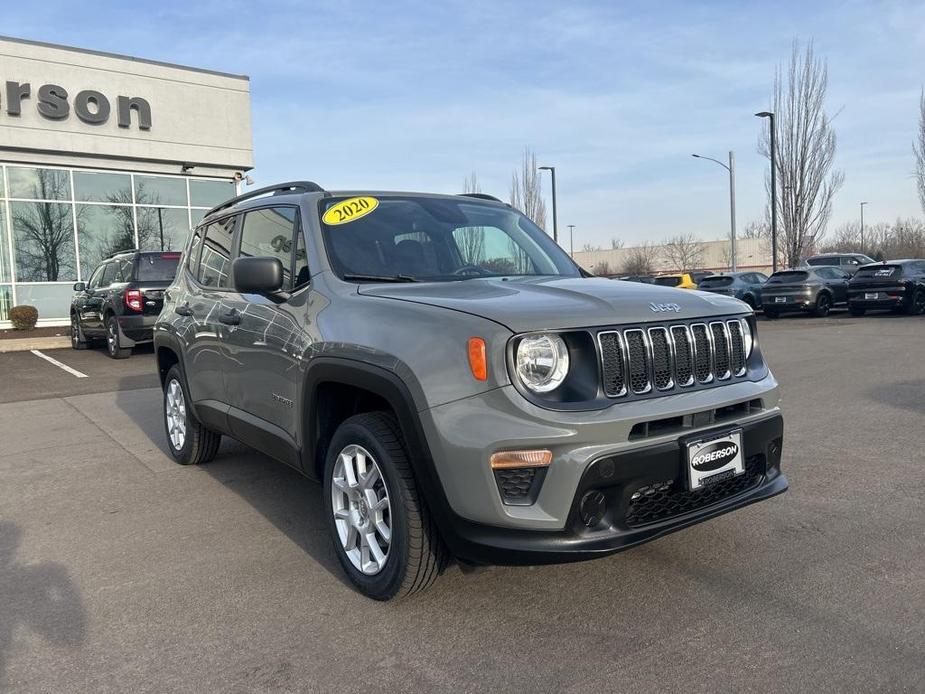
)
(183, 310)
(230, 318)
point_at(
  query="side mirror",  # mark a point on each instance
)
(262, 275)
(79, 287)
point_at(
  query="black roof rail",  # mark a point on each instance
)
(278, 189)
(482, 196)
(123, 252)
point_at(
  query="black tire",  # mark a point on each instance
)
(771, 315)
(823, 305)
(199, 443)
(78, 339)
(113, 346)
(416, 554)
(917, 305)
(857, 311)
(750, 300)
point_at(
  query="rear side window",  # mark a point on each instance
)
(157, 267)
(215, 261)
(788, 276)
(672, 281)
(270, 232)
(829, 260)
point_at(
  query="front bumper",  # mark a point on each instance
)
(136, 328)
(480, 527)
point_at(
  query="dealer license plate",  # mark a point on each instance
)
(780, 299)
(714, 459)
(872, 296)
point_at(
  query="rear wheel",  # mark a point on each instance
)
(190, 443)
(917, 307)
(381, 529)
(78, 339)
(857, 311)
(823, 305)
(113, 345)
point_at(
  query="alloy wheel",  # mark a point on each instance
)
(175, 412)
(362, 512)
(111, 337)
(75, 331)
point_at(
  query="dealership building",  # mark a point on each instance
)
(102, 152)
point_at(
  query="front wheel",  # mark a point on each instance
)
(917, 306)
(381, 529)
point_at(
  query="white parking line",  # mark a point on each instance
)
(73, 372)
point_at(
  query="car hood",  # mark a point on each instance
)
(549, 303)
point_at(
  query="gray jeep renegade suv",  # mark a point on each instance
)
(457, 384)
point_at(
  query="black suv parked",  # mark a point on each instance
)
(811, 289)
(897, 285)
(121, 300)
(849, 262)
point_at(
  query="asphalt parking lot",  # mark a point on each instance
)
(120, 570)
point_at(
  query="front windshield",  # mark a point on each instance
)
(436, 239)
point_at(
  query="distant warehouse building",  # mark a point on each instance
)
(102, 152)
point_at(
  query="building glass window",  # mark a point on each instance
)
(6, 301)
(210, 193)
(103, 187)
(162, 228)
(101, 231)
(52, 300)
(160, 190)
(43, 241)
(5, 274)
(39, 184)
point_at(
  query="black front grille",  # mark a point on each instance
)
(703, 363)
(612, 363)
(638, 355)
(720, 350)
(661, 500)
(635, 361)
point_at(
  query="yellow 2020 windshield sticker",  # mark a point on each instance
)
(349, 210)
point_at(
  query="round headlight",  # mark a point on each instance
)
(542, 362)
(747, 337)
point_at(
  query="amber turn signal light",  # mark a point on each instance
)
(478, 358)
(511, 459)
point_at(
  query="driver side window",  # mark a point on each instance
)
(96, 278)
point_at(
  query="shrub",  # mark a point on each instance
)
(24, 317)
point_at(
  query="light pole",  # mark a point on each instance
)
(571, 240)
(863, 247)
(732, 200)
(768, 114)
(555, 221)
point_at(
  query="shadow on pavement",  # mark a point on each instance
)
(39, 597)
(282, 495)
(903, 395)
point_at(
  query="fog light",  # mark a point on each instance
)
(592, 508)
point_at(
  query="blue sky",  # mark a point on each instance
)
(616, 95)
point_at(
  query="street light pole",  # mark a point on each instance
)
(571, 240)
(555, 220)
(769, 115)
(732, 200)
(863, 247)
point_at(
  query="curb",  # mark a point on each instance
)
(25, 344)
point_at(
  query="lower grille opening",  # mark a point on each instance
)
(520, 486)
(661, 500)
(671, 425)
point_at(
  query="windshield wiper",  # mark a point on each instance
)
(380, 278)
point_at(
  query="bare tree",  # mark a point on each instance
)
(683, 252)
(615, 243)
(602, 269)
(754, 230)
(806, 144)
(472, 239)
(44, 231)
(640, 260)
(590, 247)
(918, 147)
(526, 194)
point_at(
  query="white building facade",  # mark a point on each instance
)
(101, 152)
